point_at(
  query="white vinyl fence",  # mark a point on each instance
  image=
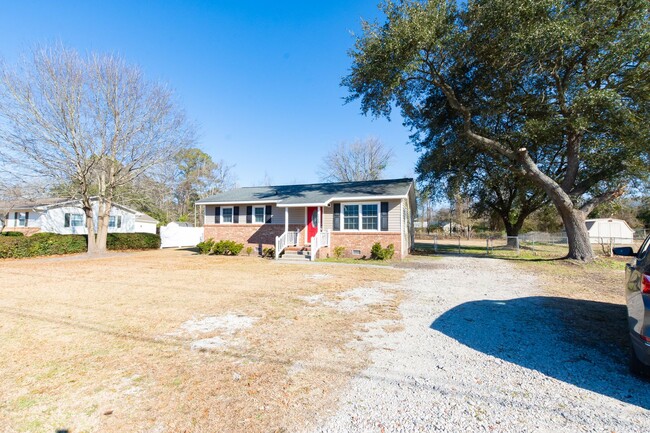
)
(174, 235)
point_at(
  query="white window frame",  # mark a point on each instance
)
(253, 221)
(360, 216)
(116, 220)
(232, 214)
(18, 220)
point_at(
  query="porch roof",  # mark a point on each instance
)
(317, 194)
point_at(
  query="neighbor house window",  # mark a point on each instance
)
(258, 215)
(226, 215)
(21, 219)
(73, 220)
(368, 214)
(115, 221)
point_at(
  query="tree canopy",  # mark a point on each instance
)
(555, 91)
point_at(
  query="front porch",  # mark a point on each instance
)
(290, 244)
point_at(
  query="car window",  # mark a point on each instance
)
(643, 250)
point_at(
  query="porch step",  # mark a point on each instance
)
(296, 254)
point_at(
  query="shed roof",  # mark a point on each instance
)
(316, 194)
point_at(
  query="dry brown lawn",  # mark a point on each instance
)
(95, 345)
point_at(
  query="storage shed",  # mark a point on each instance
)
(604, 230)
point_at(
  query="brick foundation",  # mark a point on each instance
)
(254, 235)
(362, 241)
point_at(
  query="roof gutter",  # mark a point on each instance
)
(346, 199)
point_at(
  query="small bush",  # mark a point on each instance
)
(379, 253)
(249, 251)
(227, 248)
(206, 246)
(268, 252)
(339, 251)
(13, 234)
(132, 241)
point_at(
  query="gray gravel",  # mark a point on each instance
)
(484, 350)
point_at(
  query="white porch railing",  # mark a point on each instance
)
(284, 240)
(320, 240)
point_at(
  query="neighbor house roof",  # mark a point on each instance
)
(144, 218)
(316, 194)
(28, 204)
(42, 204)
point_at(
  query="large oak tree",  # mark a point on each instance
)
(559, 89)
(91, 121)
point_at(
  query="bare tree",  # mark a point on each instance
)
(93, 122)
(357, 161)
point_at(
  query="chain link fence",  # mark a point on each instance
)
(540, 244)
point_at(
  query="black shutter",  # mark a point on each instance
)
(384, 216)
(15, 219)
(337, 217)
(217, 214)
(249, 214)
(66, 220)
(235, 215)
(26, 219)
(269, 217)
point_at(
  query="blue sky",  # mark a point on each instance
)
(260, 78)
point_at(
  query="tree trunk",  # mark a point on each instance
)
(103, 216)
(512, 230)
(572, 217)
(90, 227)
(577, 235)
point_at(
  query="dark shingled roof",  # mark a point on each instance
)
(317, 193)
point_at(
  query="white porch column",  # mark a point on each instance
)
(286, 219)
(318, 209)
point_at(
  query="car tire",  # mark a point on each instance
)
(636, 366)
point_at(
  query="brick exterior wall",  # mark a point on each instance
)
(362, 241)
(256, 235)
(253, 235)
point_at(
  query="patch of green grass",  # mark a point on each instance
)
(526, 251)
(31, 425)
(24, 402)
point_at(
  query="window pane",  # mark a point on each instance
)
(351, 217)
(226, 215)
(369, 217)
(369, 223)
(21, 219)
(259, 214)
(76, 220)
(111, 222)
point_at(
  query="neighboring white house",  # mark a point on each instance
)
(65, 216)
(145, 224)
(602, 230)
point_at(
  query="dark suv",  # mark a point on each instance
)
(637, 292)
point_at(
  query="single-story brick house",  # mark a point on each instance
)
(66, 216)
(316, 217)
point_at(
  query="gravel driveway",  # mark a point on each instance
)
(484, 350)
